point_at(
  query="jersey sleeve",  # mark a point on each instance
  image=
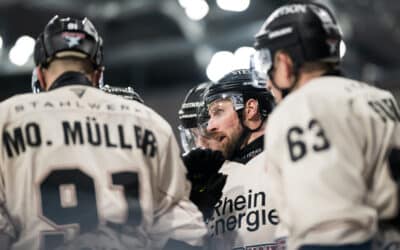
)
(183, 222)
(6, 226)
(171, 176)
(177, 217)
(382, 193)
(272, 154)
(380, 116)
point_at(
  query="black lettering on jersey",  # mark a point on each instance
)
(17, 142)
(297, 144)
(273, 217)
(48, 105)
(19, 108)
(63, 214)
(243, 211)
(386, 109)
(123, 143)
(72, 132)
(34, 103)
(102, 134)
(124, 107)
(93, 132)
(94, 106)
(146, 141)
(111, 107)
(252, 200)
(109, 143)
(14, 142)
(65, 104)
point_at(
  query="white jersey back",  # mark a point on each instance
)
(327, 157)
(75, 157)
(244, 217)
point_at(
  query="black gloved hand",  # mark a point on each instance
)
(207, 184)
(202, 163)
(394, 166)
(205, 196)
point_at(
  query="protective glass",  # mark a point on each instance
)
(211, 108)
(35, 85)
(261, 64)
(190, 138)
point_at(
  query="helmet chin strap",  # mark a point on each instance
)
(245, 133)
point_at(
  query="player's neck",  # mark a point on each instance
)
(305, 77)
(254, 135)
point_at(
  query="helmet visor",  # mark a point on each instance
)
(260, 64)
(191, 138)
(216, 108)
(35, 82)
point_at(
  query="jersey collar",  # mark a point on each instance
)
(70, 78)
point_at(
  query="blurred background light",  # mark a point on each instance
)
(195, 9)
(184, 3)
(22, 50)
(342, 49)
(234, 5)
(223, 62)
(242, 57)
(220, 64)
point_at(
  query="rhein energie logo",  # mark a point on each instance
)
(248, 211)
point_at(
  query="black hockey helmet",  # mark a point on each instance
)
(308, 32)
(193, 102)
(190, 114)
(68, 37)
(240, 86)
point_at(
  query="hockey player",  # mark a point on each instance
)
(75, 160)
(238, 107)
(244, 217)
(329, 139)
(201, 161)
(189, 115)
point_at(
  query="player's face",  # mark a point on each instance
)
(282, 71)
(224, 126)
(204, 141)
(208, 142)
(275, 92)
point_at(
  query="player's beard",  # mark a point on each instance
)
(229, 143)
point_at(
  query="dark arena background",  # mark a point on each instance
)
(164, 47)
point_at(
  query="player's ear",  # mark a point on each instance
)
(251, 109)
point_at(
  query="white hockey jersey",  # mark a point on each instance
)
(327, 157)
(244, 217)
(75, 157)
